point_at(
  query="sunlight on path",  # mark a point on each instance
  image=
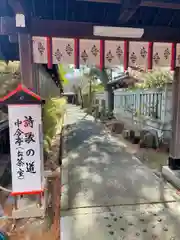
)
(102, 174)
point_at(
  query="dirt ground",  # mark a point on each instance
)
(31, 228)
(154, 159)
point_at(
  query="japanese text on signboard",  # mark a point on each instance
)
(24, 139)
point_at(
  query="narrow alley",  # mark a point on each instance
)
(110, 193)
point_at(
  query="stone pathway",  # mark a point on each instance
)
(142, 222)
(110, 191)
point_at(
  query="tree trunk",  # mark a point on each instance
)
(109, 95)
(109, 98)
(81, 96)
(90, 96)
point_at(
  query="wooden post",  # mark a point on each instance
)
(61, 146)
(53, 205)
(174, 155)
(56, 207)
(25, 55)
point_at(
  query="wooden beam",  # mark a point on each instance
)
(144, 3)
(16, 6)
(7, 26)
(25, 55)
(56, 28)
(2, 55)
(19, 7)
(3, 8)
(128, 9)
(9, 50)
(13, 38)
(101, 1)
(127, 14)
(158, 4)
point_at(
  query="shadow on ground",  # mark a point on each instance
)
(102, 174)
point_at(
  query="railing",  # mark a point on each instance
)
(149, 109)
(141, 104)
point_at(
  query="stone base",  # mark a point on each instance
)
(28, 205)
(126, 134)
(28, 208)
(172, 176)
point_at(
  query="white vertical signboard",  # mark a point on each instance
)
(25, 146)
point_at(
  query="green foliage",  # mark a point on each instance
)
(98, 88)
(102, 75)
(155, 79)
(62, 74)
(53, 116)
(9, 67)
(9, 77)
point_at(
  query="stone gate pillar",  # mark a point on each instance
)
(174, 155)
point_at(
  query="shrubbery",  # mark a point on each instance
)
(53, 117)
(155, 79)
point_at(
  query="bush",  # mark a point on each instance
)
(155, 79)
(53, 117)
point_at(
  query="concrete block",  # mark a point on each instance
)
(27, 207)
(173, 176)
(148, 140)
(132, 134)
(126, 133)
(117, 127)
(149, 137)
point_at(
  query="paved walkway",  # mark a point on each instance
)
(112, 195)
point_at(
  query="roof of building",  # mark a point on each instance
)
(153, 15)
(106, 12)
